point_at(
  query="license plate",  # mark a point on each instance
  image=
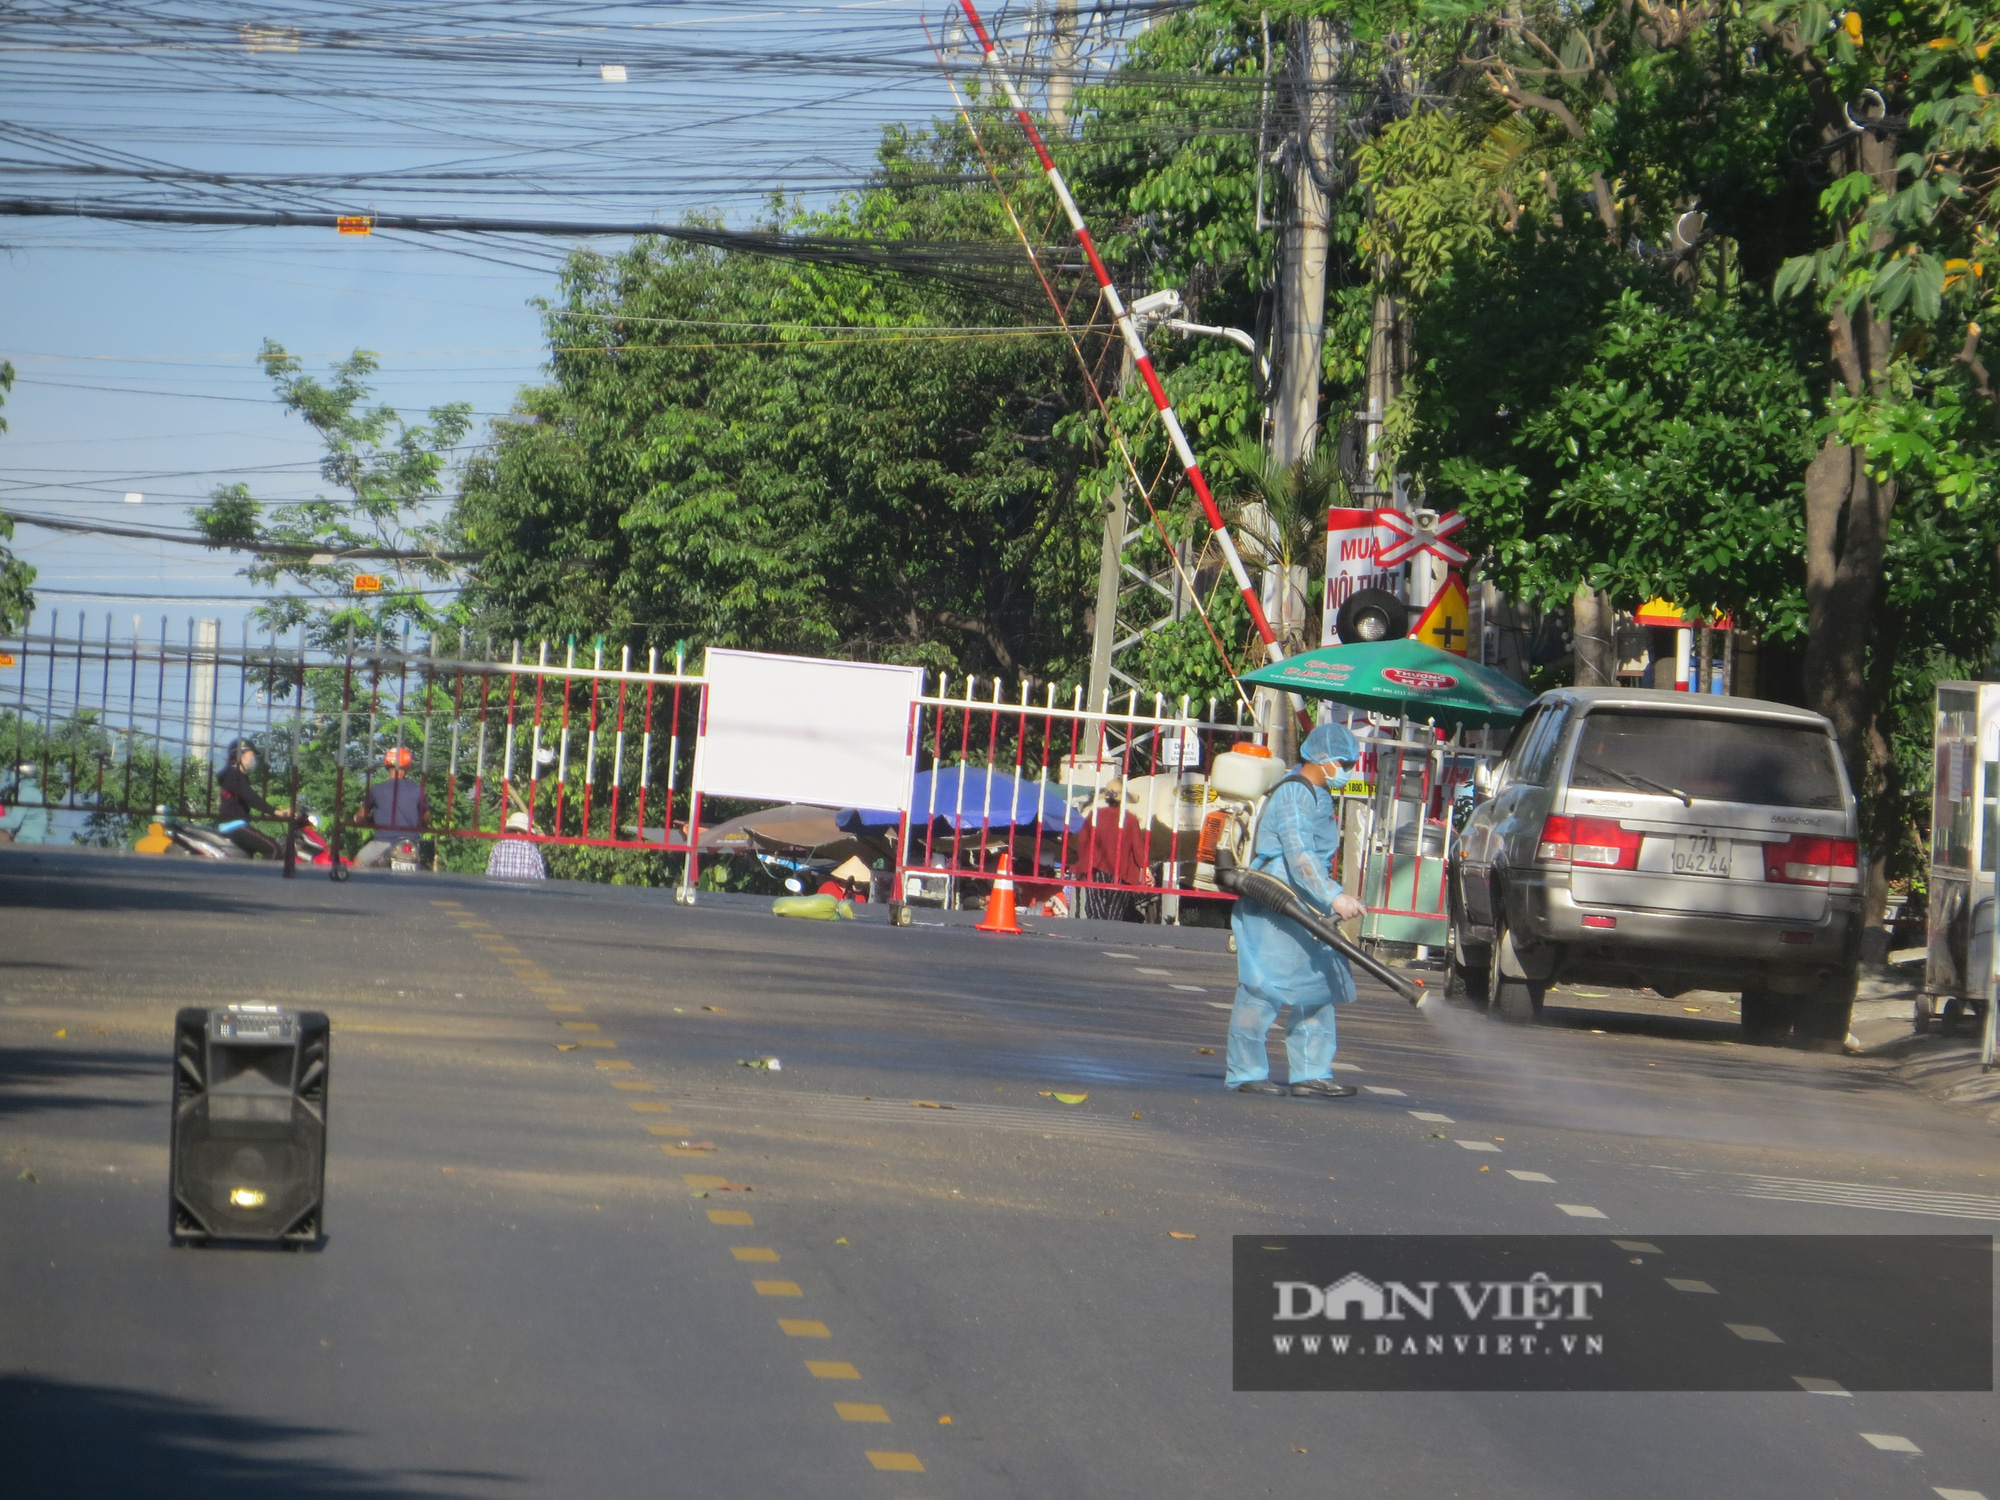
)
(1701, 854)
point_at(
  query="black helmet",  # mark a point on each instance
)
(235, 751)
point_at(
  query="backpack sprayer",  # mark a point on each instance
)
(1270, 892)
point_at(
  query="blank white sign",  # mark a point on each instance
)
(799, 729)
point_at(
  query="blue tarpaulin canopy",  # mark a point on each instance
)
(970, 798)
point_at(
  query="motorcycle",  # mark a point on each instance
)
(204, 842)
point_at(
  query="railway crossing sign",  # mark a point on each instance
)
(1407, 537)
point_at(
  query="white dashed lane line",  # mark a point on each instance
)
(1754, 1333)
(1944, 1494)
(1155, 972)
(1375, 1088)
(1820, 1386)
(1519, 1176)
(1891, 1442)
(1477, 1145)
(1683, 1284)
(1582, 1211)
(1192, 989)
(1435, 1119)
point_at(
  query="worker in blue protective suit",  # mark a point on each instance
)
(1278, 963)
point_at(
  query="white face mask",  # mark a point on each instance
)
(1338, 774)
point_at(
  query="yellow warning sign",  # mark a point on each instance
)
(1446, 622)
(367, 583)
(6, 660)
(354, 224)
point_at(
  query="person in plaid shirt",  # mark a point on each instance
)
(516, 859)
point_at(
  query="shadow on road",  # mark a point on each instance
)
(46, 1078)
(64, 880)
(66, 1441)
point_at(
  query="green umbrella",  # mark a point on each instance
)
(1403, 677)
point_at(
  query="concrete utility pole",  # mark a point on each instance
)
(1110, 576)
(1312, 62)
(1062, 63)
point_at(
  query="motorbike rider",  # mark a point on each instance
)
(395, 810)
(239, 800)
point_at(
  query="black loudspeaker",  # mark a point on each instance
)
(248, 1155)
(1372, 615)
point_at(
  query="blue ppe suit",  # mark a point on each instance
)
(29, 825)
(1278, 963)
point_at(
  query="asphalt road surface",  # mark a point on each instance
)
(576, 1249)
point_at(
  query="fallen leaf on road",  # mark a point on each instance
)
(1045, 1093)
(1206, 1051)
(753, 1062)
(734, 1187)
(699, 1193)
(1437, 1135)
(944, 1421)
(1137, 1116)
(840, 1242)
(1298, 1450)
(1485, 1169)
(1071, 1098)
(930, 1104)
(63, 1032)
(697, 1145)
(1695, 1008)
(28, 1175)
(1179, 1234)
(447, 1169)
(716, 1008)
(568, 1046)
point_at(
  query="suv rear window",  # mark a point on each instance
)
(1724, 759)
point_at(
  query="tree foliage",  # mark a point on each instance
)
(17, 603)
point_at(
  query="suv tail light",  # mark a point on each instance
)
(1597, 842)
(1808, 859)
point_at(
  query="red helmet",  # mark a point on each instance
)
(400, 756)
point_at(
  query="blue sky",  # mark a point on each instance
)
(134, 346)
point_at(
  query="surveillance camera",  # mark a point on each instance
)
(1157, 305)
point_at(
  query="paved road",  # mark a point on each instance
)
(523, 1293)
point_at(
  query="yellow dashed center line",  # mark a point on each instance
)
(581, 1025)
(612, 1062)
(860, 1411)
(635, 1085)
(753, 1252)
(649, 1106)
(907, 1463)
(777, 1288)
(733, 1216)
(832, 1369)
(798, 1328)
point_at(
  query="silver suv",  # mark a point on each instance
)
(1645, 838)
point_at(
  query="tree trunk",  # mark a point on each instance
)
(1595, 635)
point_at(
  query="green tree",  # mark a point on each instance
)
(17, 603)
(387, 471)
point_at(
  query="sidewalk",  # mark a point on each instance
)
(1944, 1068)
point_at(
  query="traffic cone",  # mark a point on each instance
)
(1000, 904)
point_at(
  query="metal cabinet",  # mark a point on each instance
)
(1965, 850)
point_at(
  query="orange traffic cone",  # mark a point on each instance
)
(1000, 905)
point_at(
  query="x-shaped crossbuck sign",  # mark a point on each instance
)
(1412, 538)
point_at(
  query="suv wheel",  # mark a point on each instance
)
(1464, 977)
(1767, 1018)
(1825, 1020)
(1507, 996)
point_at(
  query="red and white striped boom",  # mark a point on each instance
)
(1129, 330)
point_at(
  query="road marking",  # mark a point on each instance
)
(753, 1252)
(1644, 1247)
(612, 1062)
(651, 1107)
(1582, 1211)
(906, 1463)
(663, 1129)
(1683, 1284)
(1122, 955)
(804, 1328)
(436, 902)
(1220, 1004)
(566, 1009)
(1192, 989)
(1820, 1386)
(777, 1288)
(1161, 972)
(628, 1083)
(1890, 1442)
(860, 1411)
(1861, 1195)
(1944, 1494)
(580, 1025)
(1519, 1175)
(700, 1180)
(595, 1041)
(543, 989)
(832, 1369)
(735, 1216)
(1753, 1333)
(1482, 1146)
(1435, 1119)
(1375, 1088)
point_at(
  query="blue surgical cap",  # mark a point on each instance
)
(1329, 743)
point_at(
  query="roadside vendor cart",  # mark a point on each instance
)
(1416, 778)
